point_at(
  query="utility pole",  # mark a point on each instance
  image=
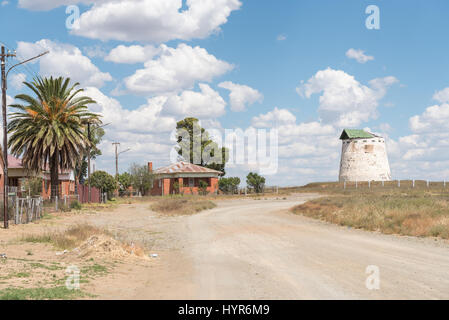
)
(88, 163)
(117, 144)
(89, 197)
(3, 56)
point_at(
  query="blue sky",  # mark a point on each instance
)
(293, 53)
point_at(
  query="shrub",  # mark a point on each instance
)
(76, 205)
(256, 182)
(103, 181)
(202, 188)
(229, 185)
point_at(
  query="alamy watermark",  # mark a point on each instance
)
(73, 280)
(73, 20)
(255, 148)
(372, 22)
(373, 280)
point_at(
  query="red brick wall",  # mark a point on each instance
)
(167, 186)
(67, 186)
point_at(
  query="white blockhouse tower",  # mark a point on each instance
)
(363, 157)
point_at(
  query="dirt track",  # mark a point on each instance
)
(256, 249)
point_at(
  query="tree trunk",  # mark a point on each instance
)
(54, 176)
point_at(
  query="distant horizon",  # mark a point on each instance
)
(309, 69)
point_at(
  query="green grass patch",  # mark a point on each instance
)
(56, 293)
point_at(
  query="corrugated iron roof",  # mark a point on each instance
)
(14, 163)
(355, 134)
(184, 167)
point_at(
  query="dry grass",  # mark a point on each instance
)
(182, 205)
(412, 212)
(67, 239)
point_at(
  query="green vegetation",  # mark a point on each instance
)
(255, 182)
(103, 181)
(181, 205)
(33, 186)
(124, 181)
(406, 211)
(76, 205)
(56, 293)
(141, 178)
(209, 155)
(50, 127)
(96, 134)
(202, 188)
(229, 185)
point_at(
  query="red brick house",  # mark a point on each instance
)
(18, 175)
(186, 175)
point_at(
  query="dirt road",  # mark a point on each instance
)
(256, 249)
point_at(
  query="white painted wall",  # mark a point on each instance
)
(364, 160)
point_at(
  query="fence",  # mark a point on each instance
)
(83, 192)
(23, 210)
(265, 190)
(27, 209)
(404, 184)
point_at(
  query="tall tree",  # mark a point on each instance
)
(96, 134)
(141, 178)
(201, 149)
(256, 182)
(48, 129)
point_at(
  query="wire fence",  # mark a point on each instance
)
(22, 210)
(395, 184)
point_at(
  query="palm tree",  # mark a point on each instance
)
(49, 129)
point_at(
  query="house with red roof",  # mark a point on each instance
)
(18, 175)
(183, 177)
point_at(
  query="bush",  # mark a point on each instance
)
(33, 186)
(76, 205)
(141, 178)
(229, 185)
(103, 181)
(202, 188)
(256, 182)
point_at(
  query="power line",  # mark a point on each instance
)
(27, 68)
(4, 77)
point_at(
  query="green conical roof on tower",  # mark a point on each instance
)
(355, 134)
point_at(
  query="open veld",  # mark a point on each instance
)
(255, 247)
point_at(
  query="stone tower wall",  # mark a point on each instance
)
(364, 160)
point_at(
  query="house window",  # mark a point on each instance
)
(191, 182)
(160, 183)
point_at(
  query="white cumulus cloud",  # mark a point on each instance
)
(176, 69)
(345, 102)
(358, 55)
(154, 20)
(132, 54)
(204, 104)
(17, 80)
(241, 96)
(274, 118)
(64, 60)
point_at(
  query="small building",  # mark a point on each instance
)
(18, 176)
(183, 177)
(363, 157)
